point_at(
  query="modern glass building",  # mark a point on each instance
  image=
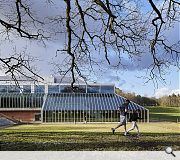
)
(53, 101)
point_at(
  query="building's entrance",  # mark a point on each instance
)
(37, 117)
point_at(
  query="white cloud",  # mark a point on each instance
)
(165, 92)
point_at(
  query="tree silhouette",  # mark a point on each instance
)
(91, 27)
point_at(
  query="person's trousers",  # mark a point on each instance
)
(134, 125)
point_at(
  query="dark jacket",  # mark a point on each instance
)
(134, 117)
(123, 109)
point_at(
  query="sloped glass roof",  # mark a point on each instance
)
(86, 101)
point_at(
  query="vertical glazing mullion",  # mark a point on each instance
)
(115, 103)
(83, 104)
(107, 105)
(90, 107)
(58, 104)
(29, 98)
(47, 108)
(68, 105)
(15, 100)
(73, 106)
(78, 104)
(102, 104)
(50, 108)
(44, 111)
(100, 107)
(9, 100)
(95, 103)
(6, 100)
(36, 100)
(62, 106)
(54, 107)
(97, 108)
(87, 102)
(144, 116)
(118, 103)
(65, 106)
(106, 102)
(22, 95)
(1, 100)
(141, 114)
(76, 108)
(111, 103)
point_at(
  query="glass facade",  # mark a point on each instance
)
(93, 89)
(107, 89)
(86, 104)
(9, 89)
(13, 89)
(69, 89)
(3, 89)
(39, 89)
(26, 88)
(53, 89)
(85, 107)
(13, 100)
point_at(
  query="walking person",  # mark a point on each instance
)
(85, 119)
(123, 112)
(133, 118)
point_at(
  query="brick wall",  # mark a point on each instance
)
(24, 116)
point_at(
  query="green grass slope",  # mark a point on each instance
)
(162, 113)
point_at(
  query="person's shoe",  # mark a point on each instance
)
(113, 130)
(138, 134)
(125, 133)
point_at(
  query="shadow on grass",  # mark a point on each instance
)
(91, 146)
(90, 141)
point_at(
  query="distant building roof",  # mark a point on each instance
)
(9, 78)
(51, 79)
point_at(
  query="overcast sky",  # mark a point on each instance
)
(126, 78)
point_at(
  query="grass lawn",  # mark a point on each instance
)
(89, 137)
(161, 113)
